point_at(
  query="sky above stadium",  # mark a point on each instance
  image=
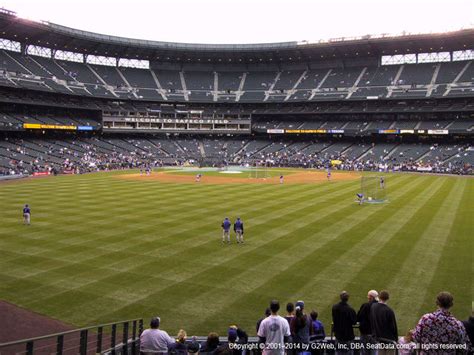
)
(249, 21)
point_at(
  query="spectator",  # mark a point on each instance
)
(383, 322)
(267, 314)
(440, 327)
(343, 318)
(274, 331)
(154, 340)
(290, 312)
(235, 337)
(300, 328)
(469, 326)
(407, 345)
(211, 344)
(317, 328)
(193, 347)
(179, 347)
(363, 317)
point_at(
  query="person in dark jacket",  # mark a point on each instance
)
(343, 318)
(363, 317)
(469, 325)
(300, 328)
(267, 314)
(211, 344)
(383, 321)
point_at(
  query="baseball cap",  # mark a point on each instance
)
(193, 347)
(232, 332)
(300, 304)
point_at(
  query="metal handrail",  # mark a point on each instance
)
(22, 341)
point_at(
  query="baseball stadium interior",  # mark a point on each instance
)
(405, 102)
(74, 102)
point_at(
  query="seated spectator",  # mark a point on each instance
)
(440, 327)
(211, 344)
(317, 328)
(193, 347)
(235, 337)
(154, 340)
(179, 347)
(407, 345)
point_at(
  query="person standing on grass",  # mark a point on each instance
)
(226, 230)
(26, 215)
(239, 230)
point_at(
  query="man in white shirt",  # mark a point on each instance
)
(154, 340)
(274, 331)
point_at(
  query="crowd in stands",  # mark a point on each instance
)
(18, 156)
(299, 333)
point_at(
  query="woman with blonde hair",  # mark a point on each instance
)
(179, 347)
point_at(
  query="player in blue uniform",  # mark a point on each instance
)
(226, 224)
(382, 182)
(26, 215)
(360, 197)
(329, 175)
(239, 230)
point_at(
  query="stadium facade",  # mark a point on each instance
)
(75, 101)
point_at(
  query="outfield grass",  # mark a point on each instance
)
(104, 249)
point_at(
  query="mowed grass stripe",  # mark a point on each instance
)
(385, 266)
(416, 274)
(323, 288)
(457, 259)
(277, 266)
(133, 241)
(171, 261)
(193, 276)
(136, 269)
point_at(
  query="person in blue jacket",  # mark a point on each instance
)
(226, 224)
(239, 230)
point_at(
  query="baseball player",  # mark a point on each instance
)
(239, 230)
(281, 179)
(226, 224)
(26, 215)
(329, 175)
(198, 177)
(382, 182)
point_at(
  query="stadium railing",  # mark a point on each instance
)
(112, 338)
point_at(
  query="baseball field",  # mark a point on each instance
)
(110, 246)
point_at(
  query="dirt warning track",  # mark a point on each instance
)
(304, 177)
